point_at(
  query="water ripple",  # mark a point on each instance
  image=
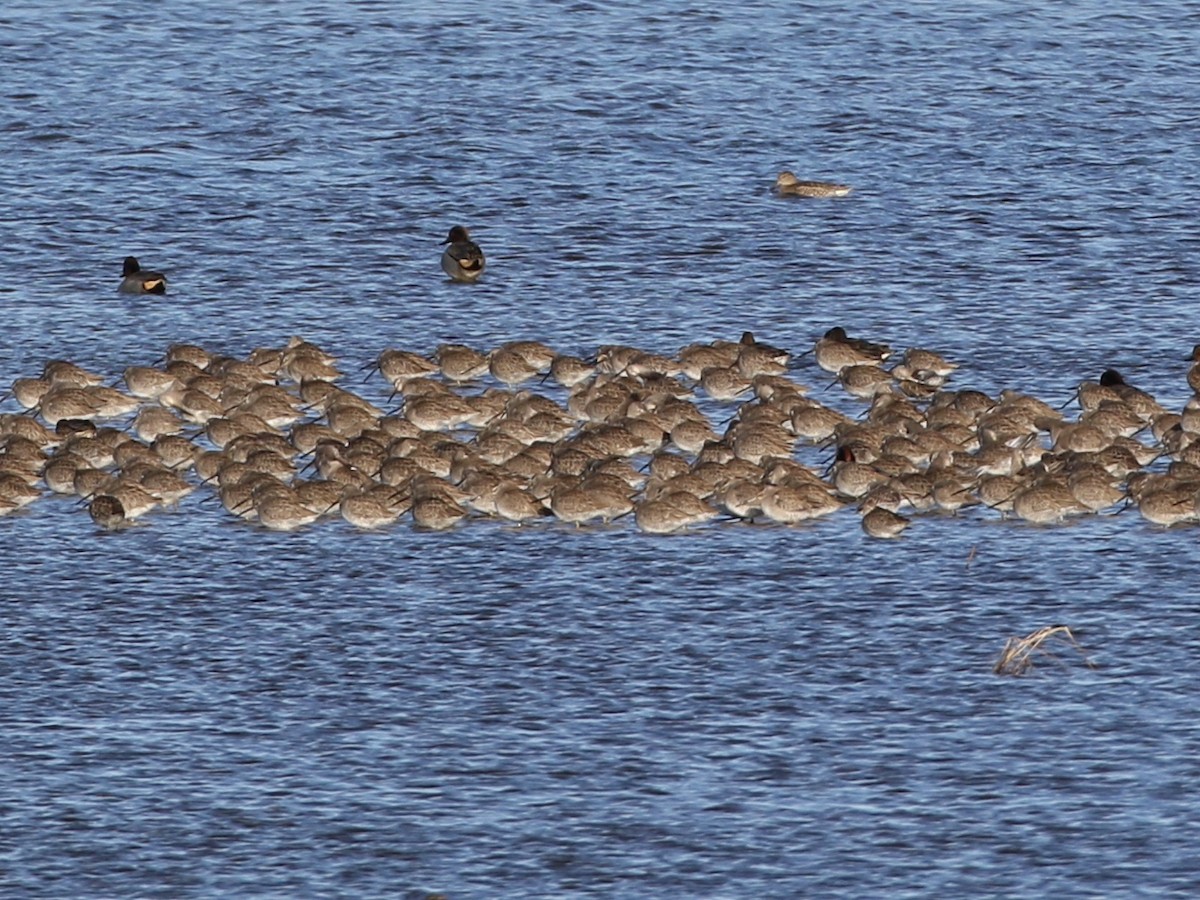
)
(199, 710)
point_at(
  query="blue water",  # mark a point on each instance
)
(201, 708)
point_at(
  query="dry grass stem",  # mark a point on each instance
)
(1018, 654)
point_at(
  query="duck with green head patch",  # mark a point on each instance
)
(462, 259)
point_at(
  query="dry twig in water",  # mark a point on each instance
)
(1018, 653)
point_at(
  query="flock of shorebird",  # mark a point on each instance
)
(523, 433)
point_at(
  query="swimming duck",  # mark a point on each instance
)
(136, 280)
(788, 185)
(1112, 386)
(462, 260)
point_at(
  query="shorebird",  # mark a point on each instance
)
(569, 371)
(836, 350)
(1112, 386)
(460, 363)
(791, 503)
(515, 504)
(1047, 501)
(583, 504)
(510, 367)
(925, 366)
(1171, 504)
(376, 507)
(435, 504)
(148, 383)
(107, 512)
(672, 512)
(883, 523)
(401, 366)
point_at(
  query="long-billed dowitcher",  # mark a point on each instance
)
(851, 477)
(581, 504)
(695, 358)
(570, 370)
(1173, 503)
(883, 523)
(107, 512)
(283, 511)
(60, 372)
(401, 366)
(926, 365)
(147, 382)
(70, 403)
(788, 504)
(671, 513)
(724, 384)
(1047, 501)
(376, 507)
(836, 350)
(511, 367)
(17, 490)
(865, 381)
(515, 504)
(459, 362)
(436, 504)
